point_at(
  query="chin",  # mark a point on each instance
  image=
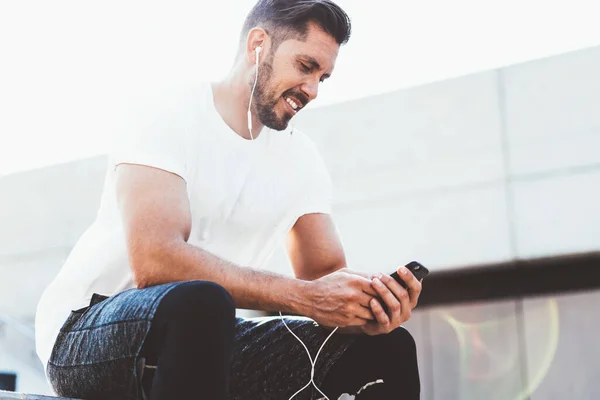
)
(278, 124)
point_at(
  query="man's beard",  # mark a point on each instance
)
(265, 100)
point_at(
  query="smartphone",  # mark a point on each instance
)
(417, 269)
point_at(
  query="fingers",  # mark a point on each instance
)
(389, 298)
(364, 299)
(364, 313)
(380, 315)
(365, 286)
(363, 281)
(362, 308)
(395, 297)
(402, 295)
(414, 286)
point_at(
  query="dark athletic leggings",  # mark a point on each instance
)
(175, 344)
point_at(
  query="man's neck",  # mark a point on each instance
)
(231, 97)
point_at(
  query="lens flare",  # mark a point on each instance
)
(491, 355)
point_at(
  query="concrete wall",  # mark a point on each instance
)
(485, 168)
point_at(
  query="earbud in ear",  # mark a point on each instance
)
(258, 50)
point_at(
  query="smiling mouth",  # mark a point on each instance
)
(293, 104)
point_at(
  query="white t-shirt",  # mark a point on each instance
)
(244, 196)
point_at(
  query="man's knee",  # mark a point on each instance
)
(207, 301)
(402, 337)
(398, 342)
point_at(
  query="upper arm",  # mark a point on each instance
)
(314, 247)
(155, 211)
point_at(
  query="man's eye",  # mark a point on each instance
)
(304, 67)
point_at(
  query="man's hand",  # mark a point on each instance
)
(341, 299)
(398, 300)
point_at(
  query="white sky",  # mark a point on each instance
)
(63, 64)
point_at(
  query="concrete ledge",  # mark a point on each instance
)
(23, 396)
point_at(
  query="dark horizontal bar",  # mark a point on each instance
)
(520, 278)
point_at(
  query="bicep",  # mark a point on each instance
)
(314, 247)
(154, 209)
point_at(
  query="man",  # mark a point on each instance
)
(197, 196)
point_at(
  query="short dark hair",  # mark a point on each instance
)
(284, 19)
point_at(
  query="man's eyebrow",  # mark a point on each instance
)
(313, 63)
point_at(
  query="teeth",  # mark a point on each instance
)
(292, 103)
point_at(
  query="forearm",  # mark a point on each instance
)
(250, 288)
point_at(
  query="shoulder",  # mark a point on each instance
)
(155, 126)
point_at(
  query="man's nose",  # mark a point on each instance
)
(311, 89)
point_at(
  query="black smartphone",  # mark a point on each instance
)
(417, 269)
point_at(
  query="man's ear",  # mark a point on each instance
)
(257, 37)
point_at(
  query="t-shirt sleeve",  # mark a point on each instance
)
(318, 196)
(152, 131)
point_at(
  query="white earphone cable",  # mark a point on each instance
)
(258, 50)
(312, 363)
